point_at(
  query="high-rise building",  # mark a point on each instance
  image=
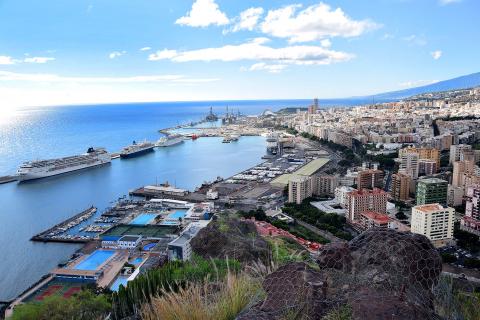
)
(324, 185)
(434, 221)
(400, 188)
(427, 167)
(456, 150)
(409, 164)
(423, 153)
(432, 190)
(361, 201)
(369, 179)
(471, 221)
(461, 169)
(455, 195)
(299, 188)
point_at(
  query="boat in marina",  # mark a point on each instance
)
(169, 140)
(227, 139)
(136, 149)
(52, 167)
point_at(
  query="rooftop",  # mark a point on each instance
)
(379, 218)
(429, 208)
(432, 180)
(147, 231)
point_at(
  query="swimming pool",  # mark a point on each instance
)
(136, 261)
(144, 218)
(94, 260)
(149, 246)
(121, 280)
(176, 215)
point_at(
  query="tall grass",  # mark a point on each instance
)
(221, 300)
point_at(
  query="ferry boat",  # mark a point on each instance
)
(169, 140)
(52, 167)
(136, 149)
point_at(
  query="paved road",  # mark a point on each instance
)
(323, 233)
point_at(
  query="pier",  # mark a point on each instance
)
(57, 232)
(7, 179)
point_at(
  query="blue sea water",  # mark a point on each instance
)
(38, 133)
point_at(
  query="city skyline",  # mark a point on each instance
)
(100, 52)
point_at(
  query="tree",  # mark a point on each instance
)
(83, 306)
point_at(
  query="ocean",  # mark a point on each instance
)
(49, 132)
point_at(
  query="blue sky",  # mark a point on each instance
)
(61, 52)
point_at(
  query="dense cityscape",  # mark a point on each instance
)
(239, 160)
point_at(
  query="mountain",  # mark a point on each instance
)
(463, 82)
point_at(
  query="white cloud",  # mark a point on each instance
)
(145, 49)
(247, 20)
(257, 50)
(45, 77)
(387, 36)
(116, 54)
(162, 55)
(6, 60)
(272, 68)
(203, 14)
(417, 83)
(436, 54)
(326, 43)
(38, 59)
(446, 2)
(418, 40)
(313, 23)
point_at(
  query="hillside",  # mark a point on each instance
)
(463, 82)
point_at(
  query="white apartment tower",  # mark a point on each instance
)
(434, 221)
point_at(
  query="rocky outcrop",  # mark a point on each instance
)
(381, 274)
(230, 238)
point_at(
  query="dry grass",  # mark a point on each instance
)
(222, 300)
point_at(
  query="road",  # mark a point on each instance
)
(323, 233)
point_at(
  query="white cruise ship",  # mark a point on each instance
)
(169, 140)
(52, 167)
(136, 149)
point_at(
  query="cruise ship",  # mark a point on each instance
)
(52, 167)
(169, 140)
(136, 149)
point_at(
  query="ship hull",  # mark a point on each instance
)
(136, 153)
(168, 143)
(41, 175)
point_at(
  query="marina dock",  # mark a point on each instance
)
(7, 179)
(57, 232)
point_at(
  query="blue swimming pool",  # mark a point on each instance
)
(136, 261)
(94, 260)
(121, 280)
(144, 218)
(177, 214)
(149, 246)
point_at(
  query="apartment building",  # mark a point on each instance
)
(434, 221)
(360, 201)
(432, 190)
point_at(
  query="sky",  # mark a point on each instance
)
(55, 52)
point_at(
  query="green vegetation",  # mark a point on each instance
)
(448, 257)
(222, 300)
(326, 221)
(471, 263)
(341, 313)
(292, 131)
(285, 250)
(466, 240)
(171, 277)
(294, 228)
(82, 306)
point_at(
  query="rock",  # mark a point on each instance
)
(230, 238)
(381, 274)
